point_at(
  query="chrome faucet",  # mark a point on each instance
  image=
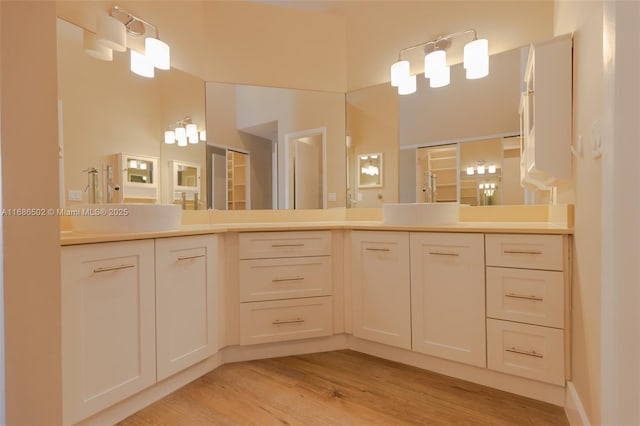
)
(110, 185)
(92, 184)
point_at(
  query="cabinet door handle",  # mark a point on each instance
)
(195, 256)
(291, 321)
(377, 249)
(522, 252)
(112, 268)
(279, 280)
(521, 352)
(287, 245)
(522, 296)
(444, 253)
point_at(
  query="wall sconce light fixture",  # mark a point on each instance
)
(185, 133)
(112, 35)
(476, 62)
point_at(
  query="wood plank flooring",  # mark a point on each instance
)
(339, 388)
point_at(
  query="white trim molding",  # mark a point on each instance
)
(573, 407)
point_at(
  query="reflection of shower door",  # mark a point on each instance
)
(307, 169)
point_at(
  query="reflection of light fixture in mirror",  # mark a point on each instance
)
(95, 49)
(480, 169)
(203, 135)
(133, 164)
(492, 168)
(476, 58)
(470, 170)
(143, 165)
(192, 133)
(112, 33)
(169, 137)
(141, 65)
(181, 136)
(476, 62)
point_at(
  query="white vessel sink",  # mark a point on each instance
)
(125, 217)
(420, 214)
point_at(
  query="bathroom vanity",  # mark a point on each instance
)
(144, 314)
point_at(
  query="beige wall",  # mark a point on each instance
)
(585, 20)
(31, 243)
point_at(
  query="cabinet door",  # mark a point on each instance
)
(381, 288)
(447, 296)
(185, 301)
(108, 325)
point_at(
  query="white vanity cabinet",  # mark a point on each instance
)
(185, 301)
(108, 324)
(381, 289)
(285, 281)
(448, 296)
(527, 289)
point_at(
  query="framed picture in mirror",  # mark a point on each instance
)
(370, 170)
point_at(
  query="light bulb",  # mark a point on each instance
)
(476, 58)
(169, 137)
(157, 53)
(399, 71)
(407, 86)
(470, 170)
(141, 65)
(481, 170)
(433, 62)
(492, 168)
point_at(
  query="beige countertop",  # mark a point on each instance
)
(72, 238)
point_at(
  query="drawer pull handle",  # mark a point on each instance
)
(444, 253)
(195, 256)
(521, 352)
(377, 249)
(112, 268)
(287, 245)
(291, 321)
(533, 252)
(279, 280)
(522, 296)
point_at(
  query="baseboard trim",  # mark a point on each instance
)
(573, 407)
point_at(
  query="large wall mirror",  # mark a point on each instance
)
(443, 133)
(260, 141)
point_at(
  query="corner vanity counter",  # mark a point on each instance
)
(486, 299)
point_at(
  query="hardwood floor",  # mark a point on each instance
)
(339, 388)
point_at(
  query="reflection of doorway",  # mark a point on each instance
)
(230, 179)
(305, 169)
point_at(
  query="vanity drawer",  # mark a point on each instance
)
(287, 278)
(280, 320)
(263, 245)
(526, 295)
(525, 251)
(525, 350)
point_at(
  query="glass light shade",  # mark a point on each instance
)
(480, 170)
(476, 58)
(169, 137)
(192, 131)
(203, 135)
(492, 168)
(407, 86)
(141, 65)
(95, 49)
(181, 133)
(441, 77)
(111, 33)
(470, 170)
(481, 186)
(193, 139)
(433, 62)
(399, 72)
(143, 166)
(157, 52)
(182, 141)
(133, 164)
